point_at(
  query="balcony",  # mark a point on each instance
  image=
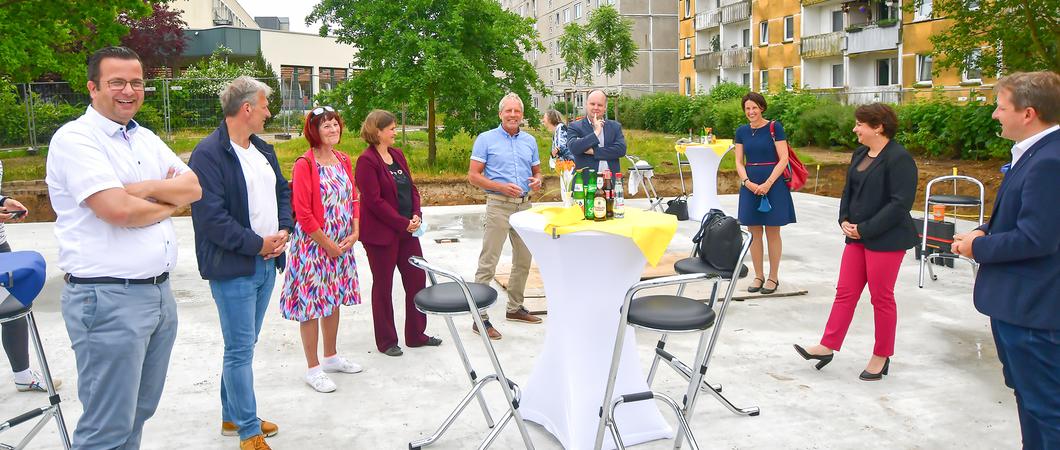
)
(736, 12)
(709, 19)
(871, 38)
(823, 45)
(873, 94)
(736, 57)
(707, 61)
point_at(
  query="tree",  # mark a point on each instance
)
(998, 36)
(157, 38)
(57, 36)
(457, 57)
(578, 49)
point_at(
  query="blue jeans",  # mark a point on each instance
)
(122, 337)
(241, 304)
(1030, 359)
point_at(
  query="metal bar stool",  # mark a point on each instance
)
(22, 274)
(458, 298)
(956, 201)
(671, 314)
(645, 172)
(693, 264)
(681, 164)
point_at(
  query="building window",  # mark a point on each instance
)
(763, 80)
(688, 86)
(886, 71)
(688, 8)
(837, 75)
(688, 48)
(923, 10)
(331, 77)
(747, 79)
(972, 71)
(837, 20)
(746, 37)
(557, 17)
(923, 68)
(763, 32)
(789, 78)
(566, 15)
(789, 28)
(577, 10)
(296, 86)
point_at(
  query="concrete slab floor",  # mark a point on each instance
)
(944, 390)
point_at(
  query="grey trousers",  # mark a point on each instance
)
(497, 231)
(122, 338)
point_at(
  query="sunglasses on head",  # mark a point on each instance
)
(320, 110)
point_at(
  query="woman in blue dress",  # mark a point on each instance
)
(761, 157)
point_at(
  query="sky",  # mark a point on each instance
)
(296, 10)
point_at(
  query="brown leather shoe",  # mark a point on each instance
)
(256, 442)
(490, 331)
(522, 315)
(268, 429)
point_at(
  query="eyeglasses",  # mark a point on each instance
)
(320, 110)
(118, 84)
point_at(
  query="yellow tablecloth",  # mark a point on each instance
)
(719, 147)
(651, 231)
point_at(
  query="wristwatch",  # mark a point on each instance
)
(745, 180)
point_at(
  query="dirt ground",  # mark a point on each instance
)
(826, 181)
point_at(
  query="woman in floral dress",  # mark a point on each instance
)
(322, 272)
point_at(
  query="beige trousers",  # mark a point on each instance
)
(498, 210)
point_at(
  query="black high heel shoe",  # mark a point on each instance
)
(869, 376)
(822, 360)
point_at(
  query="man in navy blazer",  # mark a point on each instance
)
(593, 138)
(1018, 283)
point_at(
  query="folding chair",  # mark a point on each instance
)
(22, 274)
(456, 298)
(641, 171)
(668, 314)
(955, 201)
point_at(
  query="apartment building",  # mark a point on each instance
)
(654, 22)
(860, 50)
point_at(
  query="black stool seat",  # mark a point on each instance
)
(670, 313)
(945, 199)
(449, 298)
(10, 307)
(696, 265)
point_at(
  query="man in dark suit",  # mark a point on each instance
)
(1018, 284)
(594, 139)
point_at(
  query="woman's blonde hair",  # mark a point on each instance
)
(376, 121)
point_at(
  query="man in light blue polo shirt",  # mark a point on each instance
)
(505, 163)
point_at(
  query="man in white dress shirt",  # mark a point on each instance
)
(114, 185)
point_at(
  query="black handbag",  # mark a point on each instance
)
(678, 207)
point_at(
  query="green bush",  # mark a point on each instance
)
(727, 91)
(788, 107)
(828, 125)
(666, 112)
(150, 117)
(938, 127)
(48, 117)
(12, 116)
(566, 108)
(728, 115)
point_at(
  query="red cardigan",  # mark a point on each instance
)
(380, 222)
(305, 193)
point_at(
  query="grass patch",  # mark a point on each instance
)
(452, 161)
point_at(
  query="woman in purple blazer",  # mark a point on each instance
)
(390, 215)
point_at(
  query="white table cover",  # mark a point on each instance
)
(705, 163)
(586, 275)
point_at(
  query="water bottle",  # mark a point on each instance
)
(620, 197)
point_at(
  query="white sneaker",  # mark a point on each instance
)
(321, 382)
(340, 364)
(36, 384)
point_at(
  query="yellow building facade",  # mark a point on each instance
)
(860, 51)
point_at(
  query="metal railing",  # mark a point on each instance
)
(707, 61)
(171, 106)
(736, 12)
(736, 57)
(708, 19)
(823, 45)
(871, 38)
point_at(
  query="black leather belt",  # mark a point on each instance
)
(111, 280)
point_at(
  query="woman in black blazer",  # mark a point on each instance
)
(874, 217)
